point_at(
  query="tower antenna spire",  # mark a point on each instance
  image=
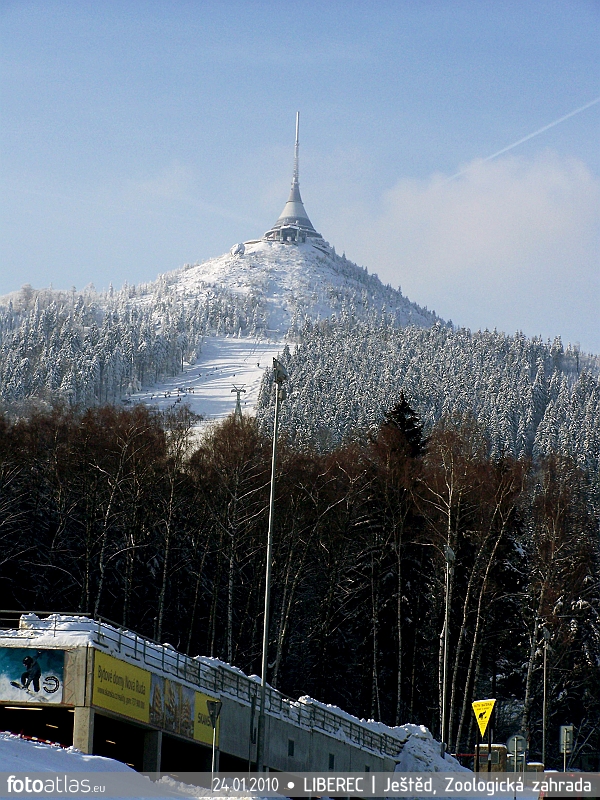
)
(296, 178)
(293, 224)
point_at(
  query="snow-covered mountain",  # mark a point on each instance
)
(194, 333)
(288, 284)
(267, 291)
(201, 333)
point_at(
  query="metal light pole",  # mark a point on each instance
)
(214, 709)
(449, 554)
(280, 375)
(545, 701)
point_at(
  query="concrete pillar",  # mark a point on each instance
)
(152, 751)
(83, 729)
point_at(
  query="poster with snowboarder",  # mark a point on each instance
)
(29, 675)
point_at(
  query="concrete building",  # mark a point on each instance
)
(109, 691)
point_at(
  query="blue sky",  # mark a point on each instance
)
(138, 136)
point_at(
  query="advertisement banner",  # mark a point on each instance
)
(28, 675)
(157, 708)
(179, 709)
(172, 706)
(121, 687)
(203, 731)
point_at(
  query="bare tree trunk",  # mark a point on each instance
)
(84, 602)
(128, 579)
(286, 605)
(458, 651)
(195, 601)
(104, 535)
(449, 542)
(475, 642)
(165, 570)
(212, 622)
(531, 662)
(375, 700)
(399, 627)
(230, 600)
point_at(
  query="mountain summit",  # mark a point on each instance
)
(291, 275)
(285, 284)
(196, 331)
(257, 297)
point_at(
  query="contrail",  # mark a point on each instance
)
(530, 136)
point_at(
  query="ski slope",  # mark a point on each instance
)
(207, 386)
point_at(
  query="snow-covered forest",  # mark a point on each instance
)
(530, 397)
(88, 348)
(400, 435)
(91, 349)
(111, 511)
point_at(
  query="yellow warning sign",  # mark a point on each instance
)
(483, 711)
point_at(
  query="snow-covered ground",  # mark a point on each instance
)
(22, 755)
(25, 757)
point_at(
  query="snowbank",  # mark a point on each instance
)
(22, 755)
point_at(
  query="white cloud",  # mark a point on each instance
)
(512, 243)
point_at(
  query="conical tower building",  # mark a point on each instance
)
(293, 224)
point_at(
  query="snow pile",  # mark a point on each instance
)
(21, 755)
(421, 752)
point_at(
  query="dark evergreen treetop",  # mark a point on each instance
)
(403, 419)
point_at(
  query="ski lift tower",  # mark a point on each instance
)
(238, 404)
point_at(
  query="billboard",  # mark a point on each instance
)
(148, 697)
(29, 675)
(179, 709)
(121, 687)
